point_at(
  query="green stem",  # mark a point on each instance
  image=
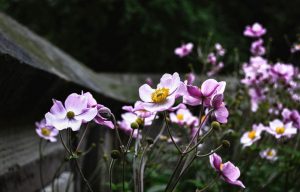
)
(41, 168)
(82, 175)
(83, 135)
(170, 134)
(174, 172)
(110, 173)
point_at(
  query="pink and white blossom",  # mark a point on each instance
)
(269, 154)
(184, 50)
(72, 114)
(291, 116)
(163, 97)
(256, 30)
(219, 49)
(252, 136)
(227, 171)
(280, 129)
(45, 131)
(183, 117)
(257, 48)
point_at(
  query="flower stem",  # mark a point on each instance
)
(81, 139)
(110, 173)
(170, 134)
(82, 175)
(41, 161)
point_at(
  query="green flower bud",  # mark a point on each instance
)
(215, 125)
(134, 125)
(225, 143)
(115, 154)
(140, 122)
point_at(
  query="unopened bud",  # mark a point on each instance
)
(139, 121)
(149, 140)
(115, 154)
(134, 125)
(225, 143)
(104, 112)
(215, 125)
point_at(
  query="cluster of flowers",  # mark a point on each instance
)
(213, 58)
(261, 77)
(263, 81)
(77, 109)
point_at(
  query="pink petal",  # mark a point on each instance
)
(76, 103)
(74, 124)
(194, 91)
(230, 171)
(217, 101)
(222, 114)
(145, 92)
(171, 82)
(87, 115)
(59, 124)
(58, 109)
(215, 161)
(237, 182)
(209, 87)
(157, 107)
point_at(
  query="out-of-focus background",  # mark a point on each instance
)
(140, 36)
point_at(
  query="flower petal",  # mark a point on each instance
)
(222, 114)
(215, 161)
(58, 109)
(208, 87)
(59, 124)
(74, 124)
(194, 91)
(87, 115)
(230, 171)
(76, 103)
(157, 107)
(145, 92)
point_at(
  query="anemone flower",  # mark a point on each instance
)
(227, 171)
(256, 30)
(280, 129)
(184, 49)
(163, 97)
(252, 136)
(72, 114)
(45, 131)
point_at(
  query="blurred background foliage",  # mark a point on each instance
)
(140, 35)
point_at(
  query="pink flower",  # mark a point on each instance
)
(257, 48)
(183, 117)
(211, 58)
(219, 49)
(204, 94)
(295, 48)
(256, 30)
(184, 50)
(128, 118)
(138, 109)
(269, 154)
(252, 136)
(219, 109)
(279, 129)
(163, 97)
(190, 78)
(227, 171)
(282, 71)
(102, 110)
(45, 131)
(291, 116)
(72, 114)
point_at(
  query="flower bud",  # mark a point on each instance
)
(115, 154)
(134, 125)
(104, 112)
(140, 121)
(225, 143)
(215, 125)
(149, 140)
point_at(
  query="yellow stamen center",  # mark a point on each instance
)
(280, 130)
(270, 153)
(252, 134)
(160, 95)
(221, 166)
(70, 115)
(45, 131)
(180, 116)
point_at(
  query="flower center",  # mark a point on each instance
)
(70, 115)
(221, 166)
(252, 134)
(160, 95)
(270, 153)
(45, 131)
(179, 116)
(280, 130)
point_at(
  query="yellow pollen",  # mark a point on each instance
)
(179, 116)
(280, 130)
(252, 134)
(160, 95)
(221, 166)
(270, 153)
(45, 131)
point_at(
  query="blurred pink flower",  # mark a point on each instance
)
(227, 171)
(282, 71)
(211, 58)
(219, 49)
(291, 116)
(256, 30)
(269, 154)
(184, 50)
(280, 129)
(257, 48)
(183, 117)
(252, 136)
(45, 131)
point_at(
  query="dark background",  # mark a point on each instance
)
(140, 35)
